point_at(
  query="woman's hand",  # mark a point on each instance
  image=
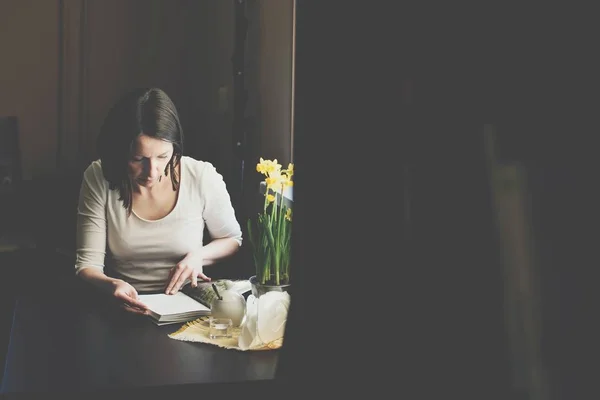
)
(123, 294)
(188, 268)
(127, 298)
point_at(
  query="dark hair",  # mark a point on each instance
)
(144, 110)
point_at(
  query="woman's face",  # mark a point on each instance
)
(149, 158)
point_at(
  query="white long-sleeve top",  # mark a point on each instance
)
(140, 251)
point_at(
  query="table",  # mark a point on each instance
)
(66, 338)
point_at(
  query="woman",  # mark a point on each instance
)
(143, 205)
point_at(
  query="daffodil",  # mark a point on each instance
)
(270, 232)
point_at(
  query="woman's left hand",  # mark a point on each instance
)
(188, 268)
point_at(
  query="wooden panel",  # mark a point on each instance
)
(28, 78)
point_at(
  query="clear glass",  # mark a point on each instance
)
(220, 328)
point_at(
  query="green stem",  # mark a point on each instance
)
(287, 249)
(266, 202)
(281, 240)
(274, 208)
(275, 216)
(253, 243)
(262, 265)
(274, 249)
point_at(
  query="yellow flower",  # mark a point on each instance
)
(290, 170)
(274, 180)
(286, 181)
(272, 166)
(262, 166)
(271, 182)
(269, 234)
(268, 167)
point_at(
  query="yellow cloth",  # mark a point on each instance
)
(197, 331)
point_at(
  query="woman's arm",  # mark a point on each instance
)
(123, 292)
(220, 218)
(211, 253)
(191, 267)
(91, 221)
(222, 226)
(217, 249)
(98, 279)
(91, 241)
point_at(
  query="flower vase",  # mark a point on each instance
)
(258, 289)
(266, 316)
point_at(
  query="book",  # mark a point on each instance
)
(170, 309)
(189, 303)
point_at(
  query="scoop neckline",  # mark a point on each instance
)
(176, 201)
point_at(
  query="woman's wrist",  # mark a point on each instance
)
(99, 280)
(195, 258)
(109, 284)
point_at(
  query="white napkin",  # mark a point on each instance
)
(265, 319)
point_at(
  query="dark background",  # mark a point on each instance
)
(400, 103)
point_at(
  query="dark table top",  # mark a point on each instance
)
(65, 339)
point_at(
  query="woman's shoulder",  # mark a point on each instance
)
(93, 174)
(197, 169)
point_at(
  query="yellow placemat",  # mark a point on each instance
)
(197, 331)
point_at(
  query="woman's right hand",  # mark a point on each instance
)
(127, 297)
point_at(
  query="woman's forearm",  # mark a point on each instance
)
(98, 279)
(218, 249)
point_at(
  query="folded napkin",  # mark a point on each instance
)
(265, 320)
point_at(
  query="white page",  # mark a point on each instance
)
(167, 304)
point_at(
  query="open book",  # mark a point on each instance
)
(189, 303)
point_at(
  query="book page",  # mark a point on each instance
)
(169, 304)
(205, 294)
